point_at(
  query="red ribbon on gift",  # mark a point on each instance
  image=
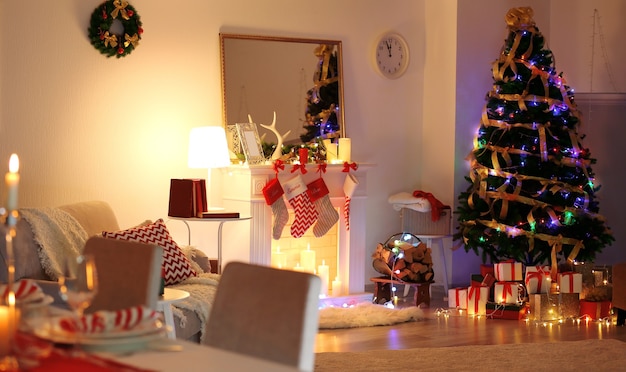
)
(458, 297)
(347, 166)
(506, 290)
(536, 275)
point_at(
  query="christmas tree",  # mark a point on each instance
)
(531, 196)
(323, 98)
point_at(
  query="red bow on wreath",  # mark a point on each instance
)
(347, 166)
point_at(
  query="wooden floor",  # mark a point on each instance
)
(441, 331)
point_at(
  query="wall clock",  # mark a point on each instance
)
(392, 55)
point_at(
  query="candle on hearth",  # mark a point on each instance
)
(323, 273)
(331, 151)
(336, 287)
(298, 267)
(303, 155)
(345, 148)
(307, 259)
(12, 180)
(279, 259)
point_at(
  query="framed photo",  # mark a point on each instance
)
(250, 142)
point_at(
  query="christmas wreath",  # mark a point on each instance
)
(104, 39)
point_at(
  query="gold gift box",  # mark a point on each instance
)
(554, 306)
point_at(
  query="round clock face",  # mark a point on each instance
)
(392, 55)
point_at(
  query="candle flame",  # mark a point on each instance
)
(14, 163)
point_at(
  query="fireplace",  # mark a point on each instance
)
(252, 242)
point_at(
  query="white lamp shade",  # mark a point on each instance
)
(208, 148)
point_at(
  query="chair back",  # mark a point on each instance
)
(129, 273)
(266, 313)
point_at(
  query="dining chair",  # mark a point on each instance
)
(267, 313)
(129, 273)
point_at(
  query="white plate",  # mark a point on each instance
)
(55, 334)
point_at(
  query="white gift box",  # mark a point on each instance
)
(506, 292)
(477, 298)
(570, 282)
(508, 271)
(457, 298)
(538, 279)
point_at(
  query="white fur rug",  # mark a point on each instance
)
(366, 314)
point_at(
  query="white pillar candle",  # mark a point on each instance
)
(331, 151)
(12, 179)
(279, 259)
(307, 259)
(323, 273)
(9, 317)
(345, 148)
(336, 287)
(298, 267)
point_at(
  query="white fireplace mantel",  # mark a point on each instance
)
(242, 191)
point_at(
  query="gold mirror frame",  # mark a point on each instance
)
(259, 95)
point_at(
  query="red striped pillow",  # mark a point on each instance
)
(175, 264)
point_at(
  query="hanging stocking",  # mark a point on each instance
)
(298, 196)
(348, 189)
(273, 193)
(327, 215)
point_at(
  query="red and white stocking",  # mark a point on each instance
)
(349, 186)
(273, 194)
(298, 196)
(327, 215)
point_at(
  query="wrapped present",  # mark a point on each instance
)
(507, 311)
(570, 282)
(595, 309)
(587, 270)
(457, 298)
(476, 280)
(486, 269)
(506, 292)
(488, 280)
(569, 305)
(477, 300)
(509, 271)
(600, 276)
(537, 280)
(543, 306)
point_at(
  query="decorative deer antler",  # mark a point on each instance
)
(279, 146)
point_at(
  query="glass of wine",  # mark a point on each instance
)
(79, 285)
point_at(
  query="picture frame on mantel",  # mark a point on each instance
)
(250, 142)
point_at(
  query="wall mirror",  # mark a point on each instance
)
(298, 80)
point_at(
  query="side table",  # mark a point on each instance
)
(222, 221)
(164, 305)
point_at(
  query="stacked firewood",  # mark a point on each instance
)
(404, 261)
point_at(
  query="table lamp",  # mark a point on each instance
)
(208, 149)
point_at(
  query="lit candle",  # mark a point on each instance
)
(12, 179)
(331, 151)
(8, 326)
(323, 273)
(336, 287)
(307, 259)
(345, 148)
(279, 259)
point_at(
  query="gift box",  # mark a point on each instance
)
(476, 280)
(537, 280)
(543, 306)
(487, 269)
(507, 311)
(457, 298)
(595, 309)
(587, 271)
(570, 282)
(553, 306)
(506, 292)
(569, 305)
(477, 300)
(422, 222)
(509, 271)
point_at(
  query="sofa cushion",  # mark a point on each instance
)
(176, 266)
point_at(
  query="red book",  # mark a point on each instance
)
(220, 215)
(181, 198)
